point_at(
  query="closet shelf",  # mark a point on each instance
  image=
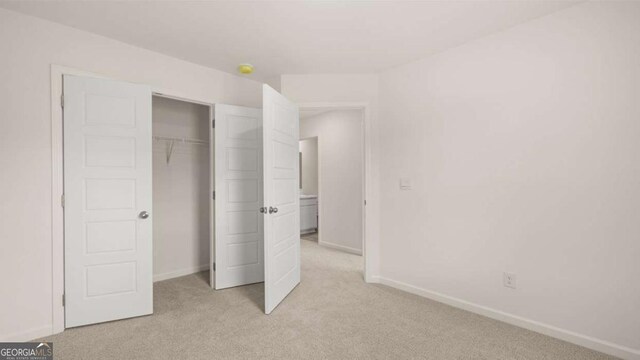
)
(172, 140)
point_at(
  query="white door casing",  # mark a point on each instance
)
(281, 197)
(107, 184)
(239, 238)
(212, 200)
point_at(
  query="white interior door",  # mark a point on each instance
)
(239, 239)
(281, 197)
(107, 190)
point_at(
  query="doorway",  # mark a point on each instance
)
(182, 175)
(332, 163)
(309, 188)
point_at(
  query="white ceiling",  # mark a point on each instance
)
(292, 37)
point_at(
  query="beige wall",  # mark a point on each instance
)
(29, 47)
(340, 171)
(180, 190)
(523, 151)
(309, 169)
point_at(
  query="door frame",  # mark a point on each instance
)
(367, 175)
(57, 178)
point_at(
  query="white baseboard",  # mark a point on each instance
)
(181, 272)
(28, 335)
(549, 330)
(341, 248)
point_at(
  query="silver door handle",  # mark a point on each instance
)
(263, 210)
(143, 215)
(273, 210)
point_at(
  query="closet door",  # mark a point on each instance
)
(239, 233)
(107, 192)
(281, 195)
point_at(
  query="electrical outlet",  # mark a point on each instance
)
(509, 280)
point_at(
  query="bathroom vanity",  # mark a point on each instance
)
(308, 213)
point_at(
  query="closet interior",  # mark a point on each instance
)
(181, 188)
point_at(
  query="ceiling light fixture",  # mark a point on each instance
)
(245, 69)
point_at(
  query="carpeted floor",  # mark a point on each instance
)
(311, 237)
(332, 314)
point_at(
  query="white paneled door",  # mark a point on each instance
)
(281, 197)
(239, 238)
(107, 197)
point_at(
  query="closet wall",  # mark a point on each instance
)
(180, 190)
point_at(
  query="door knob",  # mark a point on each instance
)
(273, 210)
(143, 215)
(263, 210)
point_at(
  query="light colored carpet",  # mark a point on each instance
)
(311, 236)
(332, 314)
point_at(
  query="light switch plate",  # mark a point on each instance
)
(405, 184)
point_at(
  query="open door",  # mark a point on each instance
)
(281, 197)
(107, 198)
(239, 239)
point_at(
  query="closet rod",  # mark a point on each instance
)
(172, 140)
(182, 140)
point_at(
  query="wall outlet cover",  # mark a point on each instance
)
(509, 280)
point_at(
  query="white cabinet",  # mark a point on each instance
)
(308, 214)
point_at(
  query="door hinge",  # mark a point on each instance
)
(62, 200)
(213, 123)
(214, 195)
(214, 266)
(62, 101)
(365, 203)
(63, 302)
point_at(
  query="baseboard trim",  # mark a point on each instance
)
(549, 330)
(178, 273)
(340, 247)
(28, 335)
